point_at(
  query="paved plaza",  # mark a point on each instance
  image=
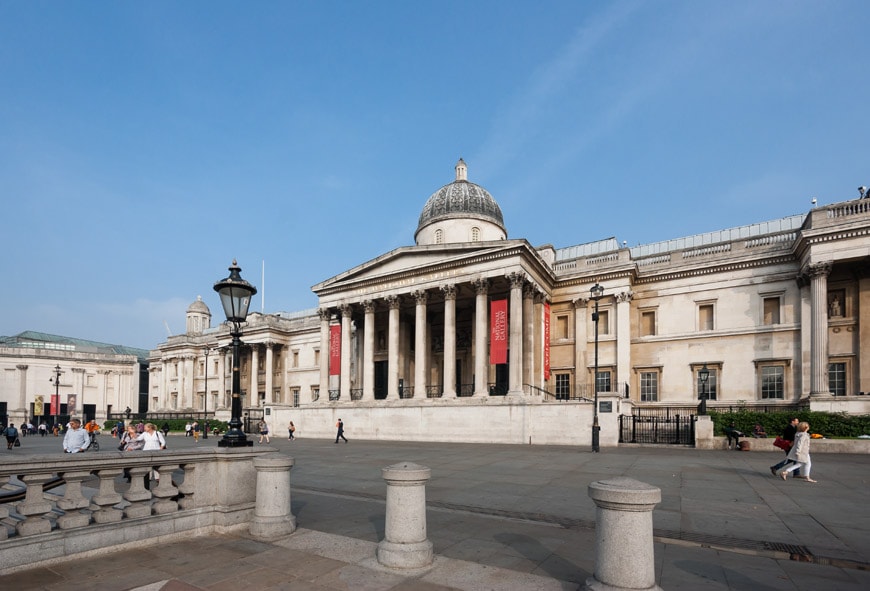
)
(515, 517)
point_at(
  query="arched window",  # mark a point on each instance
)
(475, 234)
(439, 236)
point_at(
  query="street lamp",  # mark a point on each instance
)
(703, 375)
(596, 293)
(55, 408)
(236, 296)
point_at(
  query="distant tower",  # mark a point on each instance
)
(198, 317)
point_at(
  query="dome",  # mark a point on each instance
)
(461, 200)
(199, 306)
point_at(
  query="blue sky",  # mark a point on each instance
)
(144, 145)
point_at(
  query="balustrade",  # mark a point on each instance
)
(105, 500)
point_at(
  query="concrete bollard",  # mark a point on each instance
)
(405, 544)
(272, 516)
(624, 556)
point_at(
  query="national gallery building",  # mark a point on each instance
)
(468, 326)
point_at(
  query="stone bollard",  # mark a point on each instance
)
(272, 516)
(624, 557)
(405, 544)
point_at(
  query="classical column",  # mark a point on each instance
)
(369, 350)
(270, 397)
(481, 355)
(818, 274)
(515, 388)
(420, 357)
(529, 291)
(324, 355)
(222, 380)
(581, 340)
(22, 388)
(346, 312)
(104, 389)
(393, 348)
(623, 338)
(449, 374)
(254, 392)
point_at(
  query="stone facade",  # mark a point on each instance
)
(94, 377)
(777, 312)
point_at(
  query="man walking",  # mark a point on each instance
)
(788, 434)
(340, 433)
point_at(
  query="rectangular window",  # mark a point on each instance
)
(771, 310)
(649, 386)
(561, 327)
(602, 381)
(317, 357)
(295, 358)
(647, 323)
(603, 322)
(294, 393)
(710, 390)
(837, 379)
(772, 382)
(705, 317)
(563, 386)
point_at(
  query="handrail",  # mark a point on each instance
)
(18, 495)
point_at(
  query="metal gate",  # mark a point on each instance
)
(250, 418)
(674, 429)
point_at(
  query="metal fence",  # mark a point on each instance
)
(676, 430)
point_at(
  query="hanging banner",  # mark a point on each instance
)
(38, 408)
(55, 404)
(335, 350)
(546, 341)
(498, 336)
(71, 404)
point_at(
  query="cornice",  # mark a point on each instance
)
(714, 269)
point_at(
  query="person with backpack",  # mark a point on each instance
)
(11, 436)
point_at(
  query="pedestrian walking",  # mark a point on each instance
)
(800, 453)
(76, 439)
(292, 429)
(787, 435)
(263, 428)
(196, 428)
(11, 436)
(340, 434)
(188, 429)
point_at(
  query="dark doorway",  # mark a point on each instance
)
(380, 380)
(458, 376)
(89, 411)
(501, 380)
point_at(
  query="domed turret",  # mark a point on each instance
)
(198, 316)
(460, 212)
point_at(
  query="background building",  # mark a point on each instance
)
(89, 379)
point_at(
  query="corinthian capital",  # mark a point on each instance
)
(822, 269)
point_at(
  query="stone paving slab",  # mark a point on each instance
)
(518, 517)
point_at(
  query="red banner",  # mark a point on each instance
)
(55, 404)
(335, 350)
(498, 335)
(546, 341)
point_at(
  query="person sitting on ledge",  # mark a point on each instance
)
(758, 431)
(732, 433)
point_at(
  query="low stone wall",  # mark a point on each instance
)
(704, 439)
(513, 420)
(201, 491)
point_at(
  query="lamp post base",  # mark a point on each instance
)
(235, 443)
(596, 432)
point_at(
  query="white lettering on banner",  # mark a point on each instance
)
(499, 322)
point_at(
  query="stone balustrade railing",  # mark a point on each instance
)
(104, 502)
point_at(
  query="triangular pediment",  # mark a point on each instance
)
(417, 263)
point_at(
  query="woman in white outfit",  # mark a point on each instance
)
(154, 441)
(800, 453)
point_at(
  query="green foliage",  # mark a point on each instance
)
(773, 423)
(175, 425)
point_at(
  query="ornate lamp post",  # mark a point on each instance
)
(236, 296)
(596, 293)
(703, 375)
(55, 408)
